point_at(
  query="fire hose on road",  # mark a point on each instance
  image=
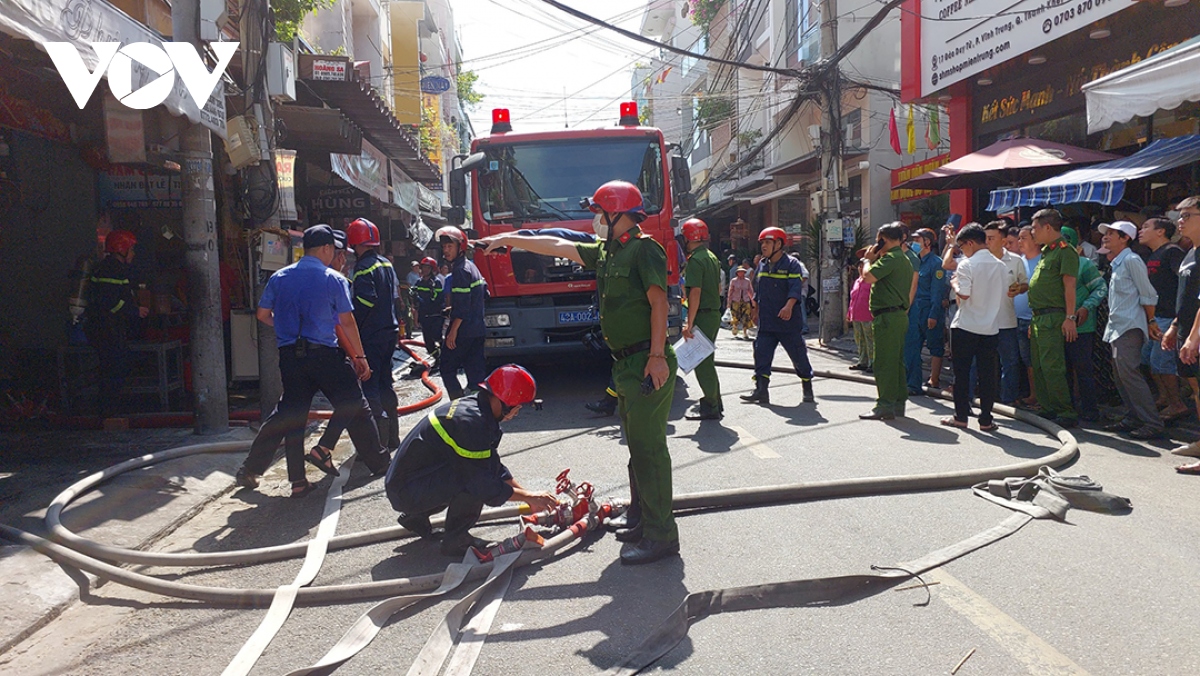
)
(105, 560)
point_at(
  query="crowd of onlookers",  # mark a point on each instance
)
(1041, 318)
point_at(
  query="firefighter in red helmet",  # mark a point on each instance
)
(465, 291)
(703, 293)
(111, 308)
(779, 306)
(631, 276)
(449, 461)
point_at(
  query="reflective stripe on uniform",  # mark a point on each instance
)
(780, 275)
(441, 431)
(467, 289)
(109, 280)
(373, 268)
(117, 307)
(364, 301)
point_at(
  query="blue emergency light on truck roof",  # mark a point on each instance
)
(500, 121)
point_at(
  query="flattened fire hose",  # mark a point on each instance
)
(101, 559)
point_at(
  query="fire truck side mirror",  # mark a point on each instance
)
(681, 173)
(456, 216)
(458, 188)
(687, 202)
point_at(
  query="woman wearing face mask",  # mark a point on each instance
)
(927, 316)
(631, 276)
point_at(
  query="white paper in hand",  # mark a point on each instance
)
(689, 353)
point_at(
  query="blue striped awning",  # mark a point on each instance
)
(1103, 183)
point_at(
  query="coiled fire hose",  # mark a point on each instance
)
(101, 559)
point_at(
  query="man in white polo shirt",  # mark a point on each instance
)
(981, 284)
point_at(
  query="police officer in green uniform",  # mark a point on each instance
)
(1052, 299)
(703, 291)
(891, 277)
(632, 280)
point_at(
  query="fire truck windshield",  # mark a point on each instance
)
(545, 180)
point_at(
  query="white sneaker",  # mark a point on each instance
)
(1191, 450)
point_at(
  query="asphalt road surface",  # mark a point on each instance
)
(1100, 595)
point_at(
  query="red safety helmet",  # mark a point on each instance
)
(455, 235)
(773, 233)
(430, 262)
(511, 384)
(119, 242)
(695, 230)
(362, 231)
(617, 197)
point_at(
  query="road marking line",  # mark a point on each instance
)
(751, 443)
(1038, 656)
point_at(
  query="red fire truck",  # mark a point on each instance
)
(540, 306)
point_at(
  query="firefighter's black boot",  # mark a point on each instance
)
(760, 394)
(806, 383)
(605, 407)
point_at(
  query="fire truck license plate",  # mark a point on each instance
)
(579, 317)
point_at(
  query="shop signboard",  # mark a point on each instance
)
(962, 38)
(435, 84)
(1055, 89)
(366, 171)
(334, 71)
(405, 191)
(124, 133)
(285, 176)
(83, 23)
(910, 171)
(429, 201)
(127, 188)
(338, 202)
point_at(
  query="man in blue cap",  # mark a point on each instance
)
(306, 302)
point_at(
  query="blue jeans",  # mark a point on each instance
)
(1079, 355)
(1010, 364)
(1024, 347)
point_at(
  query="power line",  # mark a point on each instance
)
(662, 45)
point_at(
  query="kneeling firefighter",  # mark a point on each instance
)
(450, 461)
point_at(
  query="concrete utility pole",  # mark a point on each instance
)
(202, 261)
(270, 384)
(831, 288)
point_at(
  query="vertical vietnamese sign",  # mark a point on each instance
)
(285, 176)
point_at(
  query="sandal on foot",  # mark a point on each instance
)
(954, 422)
(301, 489)
(1193, 468)
(321, 459)
(244, 479)
(990, 427)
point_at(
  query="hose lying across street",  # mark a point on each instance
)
(105, 561)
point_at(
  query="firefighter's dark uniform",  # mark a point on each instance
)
(373, 286)
(927, 304)
(776, 284)
(465, 293)
(431, 303)
(626, 268)
(111, 309)
(449, 461)
(704, 272)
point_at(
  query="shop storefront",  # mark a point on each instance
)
(1023, 75)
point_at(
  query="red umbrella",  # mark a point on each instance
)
(1016, 161)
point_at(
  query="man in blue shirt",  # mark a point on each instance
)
(780, 289)
(1132, 300)
(306, 302)
(927, 316)
(465, 293)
